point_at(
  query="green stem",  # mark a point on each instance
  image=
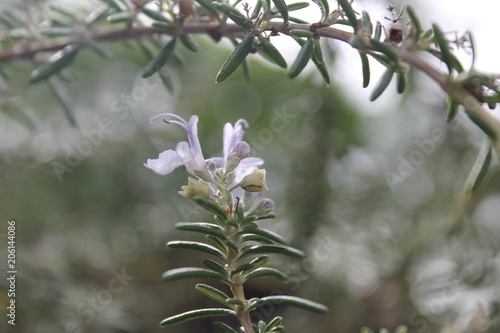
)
(236, 287)
(243, 315)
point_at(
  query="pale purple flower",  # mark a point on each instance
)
(235, 151)
(188, 153)
(235, 162)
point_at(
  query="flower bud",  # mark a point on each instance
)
(196, 188)
(263, 207)
(240, 151)
(254, 182)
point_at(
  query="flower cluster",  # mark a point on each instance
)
(216, 178)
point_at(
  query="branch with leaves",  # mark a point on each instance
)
(58, 43)
(240, 246)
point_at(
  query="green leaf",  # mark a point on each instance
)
(318, 54)
(255, 238)
(208, 6)
(215, 266)
(203, 227)
(297, 20)
(97, 48)
(274, 323)
(115, 4)
(58, 32)
(302, 59)
(212, 293)
(254, 229)
(211, 207)
(63, 100)
(321, 66)
(235, 59)
(197, 246)
(153, 14)
(217, 242)
(8, 21)
(282, 8)
(195, 314)
(298, 6)
(280, 249)
(323, 7)
(235, 301)
(293, 301)
(428, 34)
(365, 65)
(484, 125)
(382, 59)
(385, 49)
(224, 328)
(255, 263)
(231, 245)
(317, 58)
(248, 219)
(96, 15)
(268, 216)
(120, 17)
(192, 272)
(301, 33)
(63, 11)
(366, 21)
(349, 12)
(456, 63)
(266, 271)
(415, 22)
(444, 47)
(480, 169)
(188, 42)
(256, 9)
(164, 25)
(452, 110)
(401, 82)
(383, 83)
(160, 58)
(275, 55)
(235, 15)
(378, 31)
(56, 62)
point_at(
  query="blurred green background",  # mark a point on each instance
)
(374, 196)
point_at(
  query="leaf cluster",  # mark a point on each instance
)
(257, 28)
(238, 250)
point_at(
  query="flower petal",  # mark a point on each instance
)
(231, 135)
(166, 162)
(246, 167)
(192, 131)
(252, 161)
(192, 160)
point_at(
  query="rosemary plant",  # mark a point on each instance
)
(239, 245)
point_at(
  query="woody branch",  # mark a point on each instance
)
(217, 31)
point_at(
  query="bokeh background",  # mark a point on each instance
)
(373, 192)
